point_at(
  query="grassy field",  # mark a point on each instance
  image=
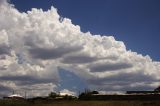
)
(81, 103)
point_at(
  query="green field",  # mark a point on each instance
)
(80, 103)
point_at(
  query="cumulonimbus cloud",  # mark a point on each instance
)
(35, 44)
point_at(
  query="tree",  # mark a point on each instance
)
(95, 92)
(157, 89)
(87, 95)
(53, 95)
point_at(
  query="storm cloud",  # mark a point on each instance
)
(44, 53)
(79, 59)
(110, 67)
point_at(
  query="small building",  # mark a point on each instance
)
(14, 97)
(142, 92)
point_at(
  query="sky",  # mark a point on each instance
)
(67, 46)
(129, 21)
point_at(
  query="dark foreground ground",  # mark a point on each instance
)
(80, 103)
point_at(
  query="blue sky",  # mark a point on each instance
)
(135, 22)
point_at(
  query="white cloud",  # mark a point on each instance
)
(34, 45)
(67, 92)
